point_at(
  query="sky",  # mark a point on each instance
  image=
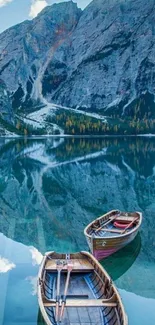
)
(13, 12)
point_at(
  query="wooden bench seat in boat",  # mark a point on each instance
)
(123, 218)
(117, 231)
(82, 303)
(79, 265)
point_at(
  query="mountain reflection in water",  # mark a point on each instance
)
(50, 189)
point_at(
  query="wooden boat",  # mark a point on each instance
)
(111, 232)
(74, 289)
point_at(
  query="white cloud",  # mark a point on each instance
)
(4, 2)
(33, 282)
(36, 256)
(5, 265)
(36, 7)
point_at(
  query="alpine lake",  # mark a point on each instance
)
(50, 189)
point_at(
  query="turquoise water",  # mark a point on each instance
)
(49, 191)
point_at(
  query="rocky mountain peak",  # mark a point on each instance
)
(23, 61)
(101, 58)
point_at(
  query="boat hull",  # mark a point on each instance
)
(104, 247)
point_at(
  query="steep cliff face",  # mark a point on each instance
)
(101, 58)
(6, 112)
(27, 49)
(112, 55)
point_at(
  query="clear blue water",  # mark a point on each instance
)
(49, 190)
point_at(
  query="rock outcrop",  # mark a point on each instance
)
(6, 112)
(101, 58)
(27, 48)
(112, 60)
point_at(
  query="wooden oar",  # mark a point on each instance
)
(59, 269)
(69, 269)
(129, 225)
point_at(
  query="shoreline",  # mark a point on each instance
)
(32, 137)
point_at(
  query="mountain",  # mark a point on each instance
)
(23, 61)
(100, 59)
